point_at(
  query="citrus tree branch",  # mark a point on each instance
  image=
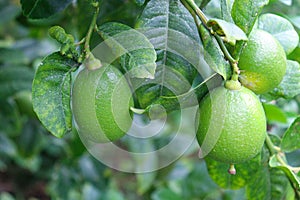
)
(197, 12)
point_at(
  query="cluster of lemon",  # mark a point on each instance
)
(232, 122)
(232, 118)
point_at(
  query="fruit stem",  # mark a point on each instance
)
(270, 145)
(224, 50)
(91, 28)
(232, 170)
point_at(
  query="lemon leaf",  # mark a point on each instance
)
(229, 31)
(51, 93)
(274, 163)
(258, 186)
(137, 53)
(244, 13)
(290, 85)
(281, 29)
(171, 29)
(291, 138)
(274, 113)
(213, 55)
(218, 172)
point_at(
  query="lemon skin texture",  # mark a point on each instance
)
(101, 101)
(232, 125)
(262, 62)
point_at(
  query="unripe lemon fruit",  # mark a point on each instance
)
(101, 101)
(232, 125)
(262, 62)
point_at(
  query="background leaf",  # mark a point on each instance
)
(290, 85)
(291, 138)
(274, 114)
(245, 13)
(8, 11)
(137, 53)
(281, 29)
(14, 79)
(37, 9)
(165, 194)
(51, 93)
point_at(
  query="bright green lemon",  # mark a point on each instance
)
(232, 125)
(262, 62)
(101, 100)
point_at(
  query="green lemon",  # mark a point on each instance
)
(101, 101)
(262, 62)
(232, 125)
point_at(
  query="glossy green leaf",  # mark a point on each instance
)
(274, 113)
(137, 53)
(275, 163)
(51, 93)
(245, 13)
(281, 29)
(279, 184)
(213, 55)
(37, 9)
(14, 79)
(290, 85)
(219, 173)
(291, 138)
(258, 186)
(172, 31)
(229, 31)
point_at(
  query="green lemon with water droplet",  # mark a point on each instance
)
(262, 62)
(232, 125)
(101, 101)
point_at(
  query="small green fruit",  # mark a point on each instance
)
(232, 125)
(101, 101)
(262, 62)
